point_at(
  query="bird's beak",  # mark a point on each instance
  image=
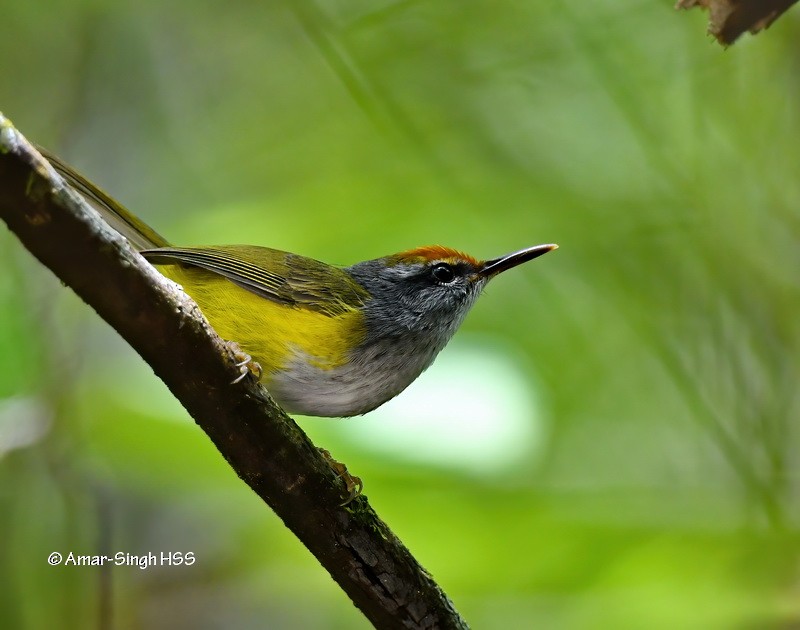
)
(491, 268)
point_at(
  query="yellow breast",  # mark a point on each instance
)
(272, 333)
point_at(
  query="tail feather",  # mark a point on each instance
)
(140, 235)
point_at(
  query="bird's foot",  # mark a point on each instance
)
(244, 363)
(353, 485)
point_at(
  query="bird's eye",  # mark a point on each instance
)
(443, 273)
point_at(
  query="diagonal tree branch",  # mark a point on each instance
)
(261, 443)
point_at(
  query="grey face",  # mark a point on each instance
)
(419, 301)
(427, 299)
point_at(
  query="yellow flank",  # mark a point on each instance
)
(268, 331)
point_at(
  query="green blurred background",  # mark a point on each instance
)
(611, 441)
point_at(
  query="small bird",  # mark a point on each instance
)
(330, 341)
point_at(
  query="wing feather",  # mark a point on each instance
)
(279, 276)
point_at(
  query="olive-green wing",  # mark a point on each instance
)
(275, 275)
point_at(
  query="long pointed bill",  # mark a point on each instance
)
(493, 267)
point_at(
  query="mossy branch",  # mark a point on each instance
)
(261, 443)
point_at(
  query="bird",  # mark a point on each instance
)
(325, 340)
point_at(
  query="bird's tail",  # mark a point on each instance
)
(140, 235)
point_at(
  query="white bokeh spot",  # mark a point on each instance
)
(475, 409)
